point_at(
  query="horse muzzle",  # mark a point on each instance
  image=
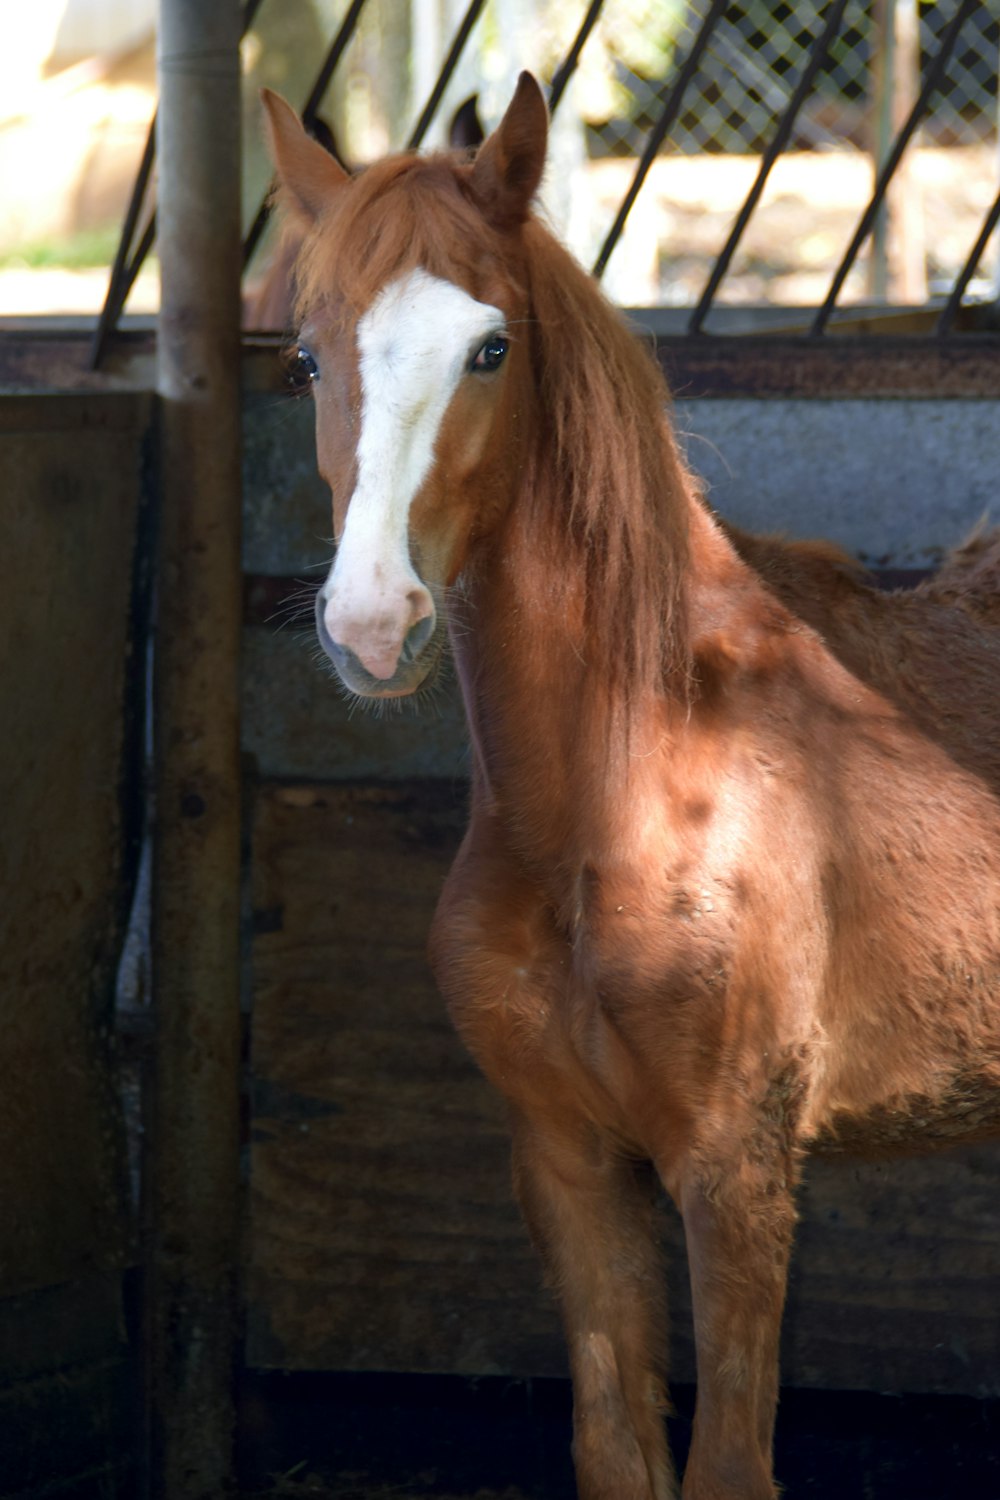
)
(380, 664)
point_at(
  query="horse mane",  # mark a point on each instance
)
(607, 481)
(610, 451)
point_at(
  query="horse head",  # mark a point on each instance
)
(412, 309)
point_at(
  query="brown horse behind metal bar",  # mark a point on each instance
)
(731, 885)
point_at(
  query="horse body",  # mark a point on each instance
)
(730, 888)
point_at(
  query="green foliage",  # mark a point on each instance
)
(88, 247)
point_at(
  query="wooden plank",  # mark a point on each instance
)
(74, 473)
(70, 506)
(383, 1235)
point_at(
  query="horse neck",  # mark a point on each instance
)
(557, 722)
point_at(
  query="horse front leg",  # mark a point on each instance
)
(590, 1216)
(739, 1219)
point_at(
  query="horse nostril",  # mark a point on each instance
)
(417, 637)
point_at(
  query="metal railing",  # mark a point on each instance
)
(703, 20)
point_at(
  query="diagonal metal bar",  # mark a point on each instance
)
(124, 271)
(338, 47)
(567, 67)
(119, 285)
(661, 129)
(336, 50)
(933, 79)
(816, 59)
(968, 270)
(444, 77)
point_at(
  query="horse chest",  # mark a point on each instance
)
(576, 995)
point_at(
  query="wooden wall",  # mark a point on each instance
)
(382, 1232)
(73, 475)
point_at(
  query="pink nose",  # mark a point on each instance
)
(379, 639)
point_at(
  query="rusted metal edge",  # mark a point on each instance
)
(773, 366)
(842, 368)
(881, 366)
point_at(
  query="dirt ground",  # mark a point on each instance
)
(442, 1438)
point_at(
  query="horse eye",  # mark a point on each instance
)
(306, 367)
(491, 355)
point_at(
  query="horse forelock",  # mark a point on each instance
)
(402, 214)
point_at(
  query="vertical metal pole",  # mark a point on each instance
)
(194, 1152)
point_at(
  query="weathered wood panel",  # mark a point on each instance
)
(383, 1232)
(383, 1236)
(73, 476)
(70, 503)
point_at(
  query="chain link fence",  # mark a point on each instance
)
(751, 66)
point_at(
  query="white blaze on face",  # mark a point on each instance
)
(416, 343)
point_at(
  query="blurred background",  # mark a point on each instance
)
(77, 92)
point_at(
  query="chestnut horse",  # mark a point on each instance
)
(731, 884)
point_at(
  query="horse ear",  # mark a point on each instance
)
(466, 132)
(509, 166)
(308, 176)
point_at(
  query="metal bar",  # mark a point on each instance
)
(883, 24)
(444, 78)
(123, 276)
(193, 1181)
(112, 303)
(568, 66)
(322, 82)
(935, 74)
(968, 270)
(671, 110)
(816, 59)
(332, 59)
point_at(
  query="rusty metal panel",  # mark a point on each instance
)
(772, 365)
(840, 366)
(906, 362)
